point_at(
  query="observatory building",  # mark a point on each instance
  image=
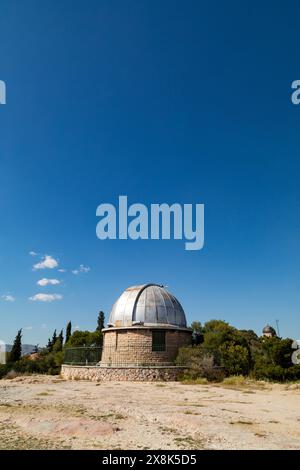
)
(269, 331)
(147, 325)
(146, 328)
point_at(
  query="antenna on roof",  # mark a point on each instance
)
(277, 326)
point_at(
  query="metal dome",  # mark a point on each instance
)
(269, 329)
(148, 305)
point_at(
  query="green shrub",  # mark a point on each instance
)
(235, 381)
(187, 380)
(277, 373)
(46, 364)
(235, 359)
(293, 373)
(270, 372)
(200, 364)
(4, 368)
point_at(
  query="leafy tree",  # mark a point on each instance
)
(58, 345)
(215, 326)
(100, 321)
(196, 326)
(282, 352)
(85, 338)
(197, 335)
(238, 352)
(217, 332)
(235, 359)
(68, 331)
(274, 351)
(250, 335)
(16, 352)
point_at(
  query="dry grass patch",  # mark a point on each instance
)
(12, 438)
(293, 386)
(247, 423)
(106, 417)
(199, 381)
(239, 382)
(193, 443)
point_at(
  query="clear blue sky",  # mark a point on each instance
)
(163, 101)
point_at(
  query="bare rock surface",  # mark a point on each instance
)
(44, 412)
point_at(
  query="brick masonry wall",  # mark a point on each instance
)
(134, 346)
(120, 374)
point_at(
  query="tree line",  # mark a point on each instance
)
(48, 359)
(219, 350)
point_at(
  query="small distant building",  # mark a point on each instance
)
(269, 331)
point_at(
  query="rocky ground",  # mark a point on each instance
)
(43, 412)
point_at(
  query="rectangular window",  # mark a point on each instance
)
(158, 340)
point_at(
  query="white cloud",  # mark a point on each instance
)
(33, 253)
(28, 327)
(47, 262)
(76, 327)
(81, 269)
(62, 270)
(44, 326)
(45, 282)
(45, 297)
(8, 298)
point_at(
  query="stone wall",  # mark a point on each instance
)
(134, 346)
(139, 374)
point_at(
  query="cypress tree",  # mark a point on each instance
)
(61, 338)
(100, 321)
(54, 338)
(16, 352)
(53, 341)
(68, 331)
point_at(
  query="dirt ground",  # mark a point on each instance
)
(43, 412)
